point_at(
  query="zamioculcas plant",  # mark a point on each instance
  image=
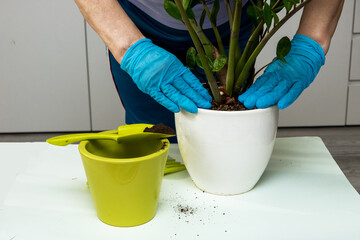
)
(234, 72)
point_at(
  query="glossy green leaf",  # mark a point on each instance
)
(190, 13)
(214, 11)
(185, 3)
(258, 10)
(210, 62)
(288, 5)
(294, 2)
(202, 18)
(279, 8)
(191, 57)
(219, 63)
(250, 11)
(276, 18)
(283, 48)
(171, 8)
(267, 15)
(272, 3)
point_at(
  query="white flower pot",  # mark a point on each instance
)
(226, 152)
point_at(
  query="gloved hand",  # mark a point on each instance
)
(161, 75)
(282, 83)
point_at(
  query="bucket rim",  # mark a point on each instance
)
(84, 152)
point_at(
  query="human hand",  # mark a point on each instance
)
(282, 83)
(161, 75)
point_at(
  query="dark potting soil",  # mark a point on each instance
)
(160, 128)
(227, 103)
(230, 104)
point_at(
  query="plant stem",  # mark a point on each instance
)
(252, 42)
(243, 75)
(234, 41)
(265, 66)
(203, 38)
(254, 38)
(216, 31)
(210, 77)
(229, 12)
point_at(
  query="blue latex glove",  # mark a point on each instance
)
(282, 83)
(162, 75)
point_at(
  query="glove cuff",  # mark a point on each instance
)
(131, 52)
(310, 50)
(310, 45)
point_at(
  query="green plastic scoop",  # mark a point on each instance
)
(125, 133)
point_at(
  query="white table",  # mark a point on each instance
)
(302, 195)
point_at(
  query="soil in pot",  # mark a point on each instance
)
(160, 128)
(227, 103)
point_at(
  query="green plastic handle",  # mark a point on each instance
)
(64, 140)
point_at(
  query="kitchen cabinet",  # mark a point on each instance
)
(353, 109)
(43, 74)
(353, 113)
(355, 58)
(357, 17)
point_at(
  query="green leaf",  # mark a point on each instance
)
(276, 18)
(198, 62)
(190, 13)
(185, 3)
(202, 18)
(272, 3)
(171, 8)
(214, 11)
(294, 2)
(267, 15)
(279, 8)
(191, 57)
(288, 5)
(283, 48)
(219, 63)
(252, 15)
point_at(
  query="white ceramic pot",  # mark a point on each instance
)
(226, 152)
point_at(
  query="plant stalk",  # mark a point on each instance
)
(207, 45)
(253, 40)
(234, 42)
(257, 72)
(229, 12)
(243, 75)
(210, 77)
(216, 31)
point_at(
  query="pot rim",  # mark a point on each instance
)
(242, 112)
(83, 151)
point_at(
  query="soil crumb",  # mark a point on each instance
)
(187, 210)
(161, 128)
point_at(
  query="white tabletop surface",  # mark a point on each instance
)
(302, 195)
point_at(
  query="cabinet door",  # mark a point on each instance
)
(355, 59)
(43, 77)
(353, 113)
(106, 109)
(357, 17)
(324, 102)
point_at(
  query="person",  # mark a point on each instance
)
(147, 51)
